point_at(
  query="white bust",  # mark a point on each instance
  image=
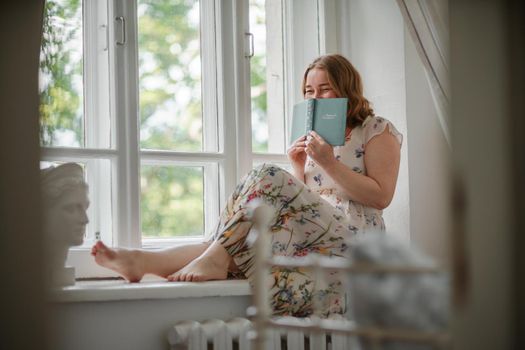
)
(65, 201)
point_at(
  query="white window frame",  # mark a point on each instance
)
(226, 154)
(302, 43)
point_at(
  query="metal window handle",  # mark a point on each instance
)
(252, 46)
(122, 21)
(106, 31)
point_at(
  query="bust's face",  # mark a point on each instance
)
(67, 219)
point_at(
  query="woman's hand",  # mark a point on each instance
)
(319, 150)
(297, 155)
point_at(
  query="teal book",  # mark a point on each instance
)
(326, 116)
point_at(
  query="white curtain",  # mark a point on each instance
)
(427, 22)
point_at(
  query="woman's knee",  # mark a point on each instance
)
(271, 171)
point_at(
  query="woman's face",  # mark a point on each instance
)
(67, 219)
(317, 85)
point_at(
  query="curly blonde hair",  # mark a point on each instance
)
(346, 82)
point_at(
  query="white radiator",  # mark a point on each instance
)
(238, 333)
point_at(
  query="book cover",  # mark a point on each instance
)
(326, 116)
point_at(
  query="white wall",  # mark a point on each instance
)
(134, 324)
(371, 35)
(429, 163)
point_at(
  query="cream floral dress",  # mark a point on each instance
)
(352, 155)
(316, 217)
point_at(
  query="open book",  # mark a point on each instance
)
(326, 116)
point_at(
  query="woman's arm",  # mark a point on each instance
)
(381, 158)
(297, 157)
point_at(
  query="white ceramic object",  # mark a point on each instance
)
(65, 201)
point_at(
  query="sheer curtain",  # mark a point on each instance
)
(427, 22)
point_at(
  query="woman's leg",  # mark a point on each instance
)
(229, 238)
(206, 261)
(303, 224)
(133, 264)
(195, 262)
(212, 264)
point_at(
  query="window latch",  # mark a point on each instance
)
(251, 52)
(122, 21)
(104, 28)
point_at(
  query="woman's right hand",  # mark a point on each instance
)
(296, 153)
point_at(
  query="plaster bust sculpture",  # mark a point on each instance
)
(65, 201)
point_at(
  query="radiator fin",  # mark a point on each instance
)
(236, 333)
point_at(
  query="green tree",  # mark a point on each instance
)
(258, 76)
(172, 202)
(169, 67)
(61, 101)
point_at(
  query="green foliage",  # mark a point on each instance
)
(259, 101)
(172, 202)
(61, 103)
(169, 66)
(258, 78)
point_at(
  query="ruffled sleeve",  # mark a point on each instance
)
(374, 126)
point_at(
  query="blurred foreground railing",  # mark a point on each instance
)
(374, 337)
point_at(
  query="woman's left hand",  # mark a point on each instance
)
(319, 150)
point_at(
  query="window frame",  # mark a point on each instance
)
(227, 147)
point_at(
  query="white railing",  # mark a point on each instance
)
(374, 336)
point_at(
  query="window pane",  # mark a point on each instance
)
(267, 76)
(61, 75)
(172, 201)
(170, 75)
(258, 77)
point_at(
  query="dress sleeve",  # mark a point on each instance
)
(376, 126)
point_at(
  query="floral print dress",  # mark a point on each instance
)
(316, 217)
(352, 153)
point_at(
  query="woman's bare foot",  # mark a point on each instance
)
(211, 265)
(125, 262)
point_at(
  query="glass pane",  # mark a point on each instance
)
(258, 77)
(61, 75)
(170, 75)
(172, 201)
(267, 76)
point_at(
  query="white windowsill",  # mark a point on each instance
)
(118, 290)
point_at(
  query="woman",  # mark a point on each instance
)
(333, 194)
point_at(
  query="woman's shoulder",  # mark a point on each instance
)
(376, 125)
(375, 122)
